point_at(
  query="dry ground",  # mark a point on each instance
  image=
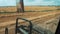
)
(28, 8)
(9, 19)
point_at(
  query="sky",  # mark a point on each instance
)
(30, 2)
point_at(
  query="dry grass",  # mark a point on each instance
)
(8, 9)
(7, 19)
(39, 8)
(12, 17)
(28, 8)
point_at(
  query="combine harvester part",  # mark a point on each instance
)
(6, 30)
(21, 29)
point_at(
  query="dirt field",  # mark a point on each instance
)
(9, 19)
(39, 8)
(8, 9)
(28, 8)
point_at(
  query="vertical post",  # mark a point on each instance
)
(16, 26)
(6, 30)
(20, 7)
(58, 28)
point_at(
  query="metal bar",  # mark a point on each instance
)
(24, 32)
(58, 28)
(30, 32)
(16, 26)
(6, 30)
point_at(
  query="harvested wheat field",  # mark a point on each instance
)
(8, 9)
(28, 8)
(40, 8)
(44, 21)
